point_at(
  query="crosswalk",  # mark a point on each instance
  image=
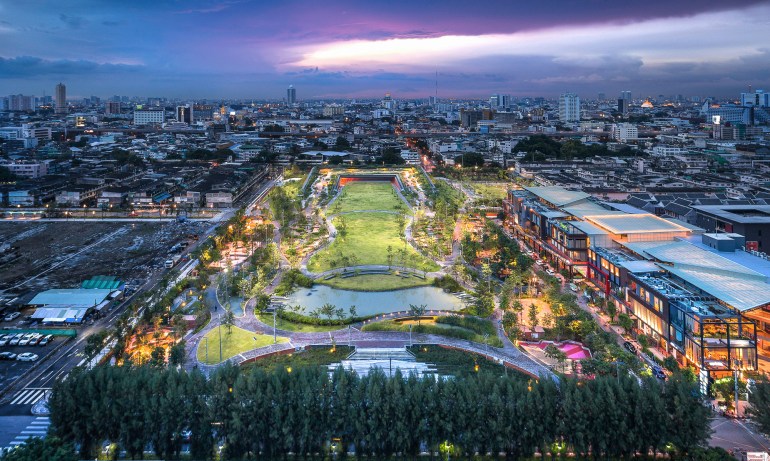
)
(37, 428)
(29, 396)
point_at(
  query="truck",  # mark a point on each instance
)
(171, 262)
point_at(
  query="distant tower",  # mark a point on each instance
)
(61, 99)
(569, 108)
(291, 95)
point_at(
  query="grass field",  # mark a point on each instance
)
(378, 282)
(286, 325)
(368, 237)
(310, 357)
(238, 341)
(490, 191)
(358, 196)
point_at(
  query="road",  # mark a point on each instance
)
(16, 400)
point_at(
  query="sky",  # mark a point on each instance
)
(358, 49)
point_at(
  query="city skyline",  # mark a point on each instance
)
(232, 49)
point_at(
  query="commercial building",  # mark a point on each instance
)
(71, 305)
(149, 116)
(698, 297)
(750, 221)
(569, 108)
(112, 108)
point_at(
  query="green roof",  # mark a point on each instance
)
(102, 282)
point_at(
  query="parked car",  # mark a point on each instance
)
(7, 356)
(12, 316)
(15, 340)
(573, 287)
(26, 357)
(550, 272)
(658, 373)
(24, 341)
(45, 340)
(630, 347)
(35, 339)
(4, 339)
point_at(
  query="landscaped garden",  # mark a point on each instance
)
(234, 342)
(297, 327)
(468, 328)
(358, 196)
(375, 282)
(309, 357)
(370, 238)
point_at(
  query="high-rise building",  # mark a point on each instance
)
(569, 107)
(499, 101)
(291, 95)
(112, 107)
(184, 114)
(21, 102)
(626, 95)
(623, 106)
(61, 98)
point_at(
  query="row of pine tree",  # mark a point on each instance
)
(255, 414)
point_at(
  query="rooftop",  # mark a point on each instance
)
(746, 214)
(559, 196)
(634, 223)
(70, 297)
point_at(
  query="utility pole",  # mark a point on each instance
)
(275, 340)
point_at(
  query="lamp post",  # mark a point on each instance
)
(410, 335)
(207, 348)
(275, 339)
(219, 330)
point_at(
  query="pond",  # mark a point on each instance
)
(374, 302)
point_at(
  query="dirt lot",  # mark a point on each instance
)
(62, 254)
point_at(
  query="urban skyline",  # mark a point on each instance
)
(238, 50)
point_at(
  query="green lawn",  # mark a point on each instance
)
(496, 191)
(311, 356)
(239, 340)
(286, 325)
(369, 196)
(368, 237)
(375, 282)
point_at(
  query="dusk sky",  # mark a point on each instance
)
(365, 48)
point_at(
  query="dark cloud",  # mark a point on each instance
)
(30, 66)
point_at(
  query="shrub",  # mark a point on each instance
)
(475, 324)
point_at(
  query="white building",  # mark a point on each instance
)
(625, 132)
(148, 116)
(27, 169)
(411, 157)
(569, 108)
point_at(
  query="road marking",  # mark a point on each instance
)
(29, 396)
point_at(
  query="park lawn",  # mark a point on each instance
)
(375, 282)
(431, 327)
(368, 237)
(496, 191)
(239, 340)
(283, 324)
(358, 196)
(310, 357)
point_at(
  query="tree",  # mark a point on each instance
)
(390, 256)
(176, 354)
(417, 311)
(228, 320)
(612, 310)
(554, 353)
(353, 311)
(49, 448)
(625, 322)
(158, 357)
(392, 156)
(328, 310)
(342, 143)
(760, 405)
(533, 315)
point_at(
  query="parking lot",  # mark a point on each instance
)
(10, 370)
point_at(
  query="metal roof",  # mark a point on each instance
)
(634, 223)
(70, 297)
(736, 290)
(60, 314)
(559, 196)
